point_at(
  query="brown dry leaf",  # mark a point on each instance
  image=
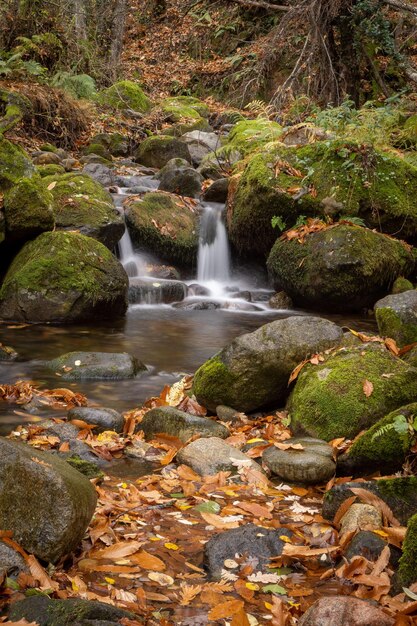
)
(118, 550)
(343, 508)
(40, 574)
(256, 509)
(21, 622)
(370, 498)
(226, 609)
(288, 446)
(296, 371)
(280, 613)
(304, 551)
(240, 618)
(148, 561)
(157, 597)
(391, 344)
(381, 562)
(217, 521)
(188, 593)
(394, 536)
(241, 588)
(367, 388)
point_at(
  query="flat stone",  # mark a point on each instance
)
(255, 542)
(64, 431)
(210, 456)
(45, 503)
(103, 419)
(96, 366)
(227, 414)
(178, 424)
(344, 611)
(101, 173)
(314, 464)
(360, 517)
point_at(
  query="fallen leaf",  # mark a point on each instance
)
(225, 609)
(367, 388)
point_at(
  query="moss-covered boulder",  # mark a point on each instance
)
(336, 178)
(186, 114)
(81, 204)
(164, 225)
(248, 135)
(399, 493)
(74, 611)
(14, 164)
(50, 170)
(28, 209)
(407, 573)
(396, 316)
(342, 268)
(125, 95)
(349, 391)
(95, 366)
(253, 370)
(43, 501)
(157, 150)
(115, 143)
(99, 149)
(401, 284)
(63, 277)
(384, 446)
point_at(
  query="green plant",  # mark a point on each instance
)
(401, 424)
(78, 85)
(261, 109)
(14, 65)
(278, 222)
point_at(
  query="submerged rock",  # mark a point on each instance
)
(396, 316)
(312, 464)
(182, 425)
(253, 370)
(45, 502)
(256, 543)
(344, 611)
(96, 366)
(349, 391)
(103, 419)
(81, 203)
(63, 277)
(164, 225)
(210, 456)
(344, 268)
(7, 353)
(280, 300)
(154, 291)
(72, 612)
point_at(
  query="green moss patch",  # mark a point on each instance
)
(125, 94)
(14, 164)
(28, 209)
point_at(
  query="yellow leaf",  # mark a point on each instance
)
(252, 586)
(285, 539)
(268, 605)
(111, 581)
(171, 546)
(381, 533)
(255, 440)
(107, 436)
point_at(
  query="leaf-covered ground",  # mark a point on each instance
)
(144, 548)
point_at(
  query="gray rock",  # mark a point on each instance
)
(83, 451)
(280, 300)
(344, 611)
(396, 316)
(96, 366)
(156, 291)
(102, 418)
(255, 542)
(205, 305)
(180, 179)
(210, 456)
(360, 516)
(227, 414)
(200, 143)
(217, 192)
(11, 562)
(367, 544)
(182, 425)
(46, 158)
(68, 164)
(101, 173)
(198, 290)
(46, 612)
(253, 370)
(45, 502)
(66, 432)
(314, 464)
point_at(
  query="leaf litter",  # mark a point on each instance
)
(144, 547)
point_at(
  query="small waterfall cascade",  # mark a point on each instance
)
(213, 253)
(133, 263)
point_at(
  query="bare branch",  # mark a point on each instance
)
(402, 6)
(262, 5)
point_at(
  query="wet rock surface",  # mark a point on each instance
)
(311, 464)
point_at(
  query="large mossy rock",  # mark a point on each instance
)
(253, 370)
(337, 178)
(157, 150)
(44, 611)
(125, 95)
(28, 209)
(384, 446)
(45, 502)
(164, 225)
(115, 143)
(407, 573)
(64, 277)
(399, 493)
(342, 268)
(14, 164)
(349, 391)
(186, 114)
(81, 203)
(248, 135)
(396, 316)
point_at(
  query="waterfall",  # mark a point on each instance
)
(131, 261)
(213, 250)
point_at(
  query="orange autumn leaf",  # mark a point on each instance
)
(118, 550)
(148, 561)
(225, 609)
(367, 388)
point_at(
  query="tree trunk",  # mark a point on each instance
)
(117, 34)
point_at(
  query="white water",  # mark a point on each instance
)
(213, 266)
(133, 263)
